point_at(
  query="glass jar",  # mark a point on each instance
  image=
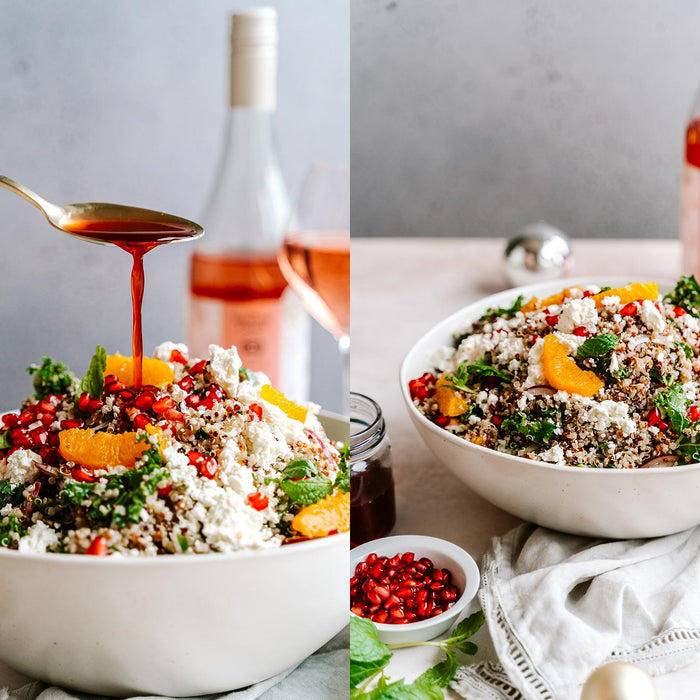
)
(372, 501)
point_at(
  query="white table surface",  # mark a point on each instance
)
(400, 289)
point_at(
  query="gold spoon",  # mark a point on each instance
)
(100, 222)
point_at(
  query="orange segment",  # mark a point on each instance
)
(632, 292)
(561, 372)
(449, 401)
(155, 372)
(330, 514)
(277, 398)
(101, 450)
(558, 299)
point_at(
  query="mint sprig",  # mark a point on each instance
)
(5, 442)
(673, 404)
(93, 382)
(369, 656)
(598, 346)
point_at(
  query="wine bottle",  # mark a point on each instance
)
(238, 295)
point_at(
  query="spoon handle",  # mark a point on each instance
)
(32, 197)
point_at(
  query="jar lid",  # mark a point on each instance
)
(366, 425)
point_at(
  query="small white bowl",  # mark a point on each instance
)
(445, 555)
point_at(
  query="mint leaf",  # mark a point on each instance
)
(307, 491)
(598, 346)
(368, 655)
(482, 369)
(342, 480)
(442, 673)
(5, 441)
(492, 314)
(466, 628)
(182, 541)
(50, 377)
(685, 348)
(673, 403)
(299, 469)
(93, 382)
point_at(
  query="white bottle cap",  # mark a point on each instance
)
(254, 59)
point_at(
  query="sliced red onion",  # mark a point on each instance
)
(323, 445)
(663, 461)
(45, 468)
(541, 390)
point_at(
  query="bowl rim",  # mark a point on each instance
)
(469, 567)
(164, 560)
(465, 315)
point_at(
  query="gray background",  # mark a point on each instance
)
(126, 102)
(475, 117)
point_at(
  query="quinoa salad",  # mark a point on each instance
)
(205, 456)
(589, 377)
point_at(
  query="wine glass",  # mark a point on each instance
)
(315, 255)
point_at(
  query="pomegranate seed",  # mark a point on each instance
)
(82, 474)
(126, 394)
(496, 420)
(84, 402)
(69, 423)
(371, 558)
(369, 585)
(192, 401)
(397, 613)
(427, 378)
(95, 405)
(662, 425)
(172, 414)
(581, 332)
(258, 500)
(140, 421)
(177, 356)
(382, 592)
(375, 599)
(587, 293)
(442, 421)
(678, 311)
(47, 419)
(163, 404)
(199, 367)
(38, 436)
(25, 418)
(654, 416)
(208, 468)
(195, 457)
(114, 386)
(164, 491)
(404, 593)
(186, 383)
(357, 610)
(145, 400)
(11, 420)
(49, 455)
(437, 610)
(449, 594)
(20, 438)
(629, 309)
(694, 413)
(98, 547)
(255, 410)
(380, 616)
(53, 439)
(407, 558)
(46, 407)
(552, 320)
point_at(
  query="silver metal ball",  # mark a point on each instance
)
(538, 253)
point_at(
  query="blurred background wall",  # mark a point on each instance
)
(125, 102)
(474, 118)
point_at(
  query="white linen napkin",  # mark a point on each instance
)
(557, 606)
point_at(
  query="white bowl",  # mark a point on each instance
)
(613, 503)
(445, 555)
(172, 625)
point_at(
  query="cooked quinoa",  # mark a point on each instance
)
(222, 465)
(639, 361)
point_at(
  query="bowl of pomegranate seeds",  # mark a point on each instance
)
(574, 404)
(413, 587)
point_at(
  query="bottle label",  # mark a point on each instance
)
(254, 328)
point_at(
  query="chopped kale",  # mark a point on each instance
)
(492, 314)
(50, 377)
(11, 495)
(538, 431)
(686, 295)
(673, 404)
(11, 531)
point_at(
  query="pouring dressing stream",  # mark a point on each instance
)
(132, 229)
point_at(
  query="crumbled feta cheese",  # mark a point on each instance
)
(611, 302)
(163, 351)
(443, 359)
(690, 389)
(508, 347)
(555, 455)
(473, 348)
(38, 539)
(225, 365)
(578, 312)
(604, 414)
(651, 316)
(535, 368)
(18, 468)
(690, 322)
